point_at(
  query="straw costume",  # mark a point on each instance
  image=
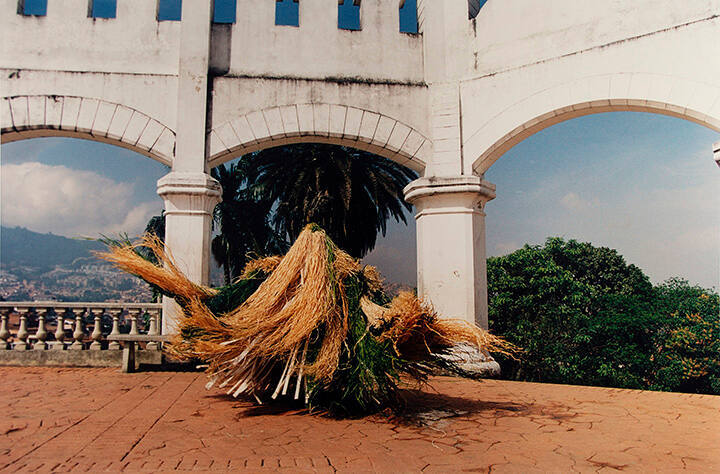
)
(313, 325)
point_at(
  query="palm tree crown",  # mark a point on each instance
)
(350, 193)
(243, 221)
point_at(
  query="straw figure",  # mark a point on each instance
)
(312, 326)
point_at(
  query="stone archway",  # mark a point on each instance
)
(25, 117)
(660, 94)
(319, 123)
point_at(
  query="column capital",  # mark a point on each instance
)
(189, 193)
(450, 191)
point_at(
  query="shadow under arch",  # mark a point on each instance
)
(534, 113)
(319, 123)
(25, 117)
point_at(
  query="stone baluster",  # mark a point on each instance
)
(59, 343)
(22, 334)
(79, 333)
(4, 331)
(152, 329)
(41, 334)
(96, 335)
(134, 314)
(115, 345)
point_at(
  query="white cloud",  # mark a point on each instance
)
(574, 202)
(70, 202)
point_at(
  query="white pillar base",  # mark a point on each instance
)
(473, 362)
(190, 199)
(451, 265)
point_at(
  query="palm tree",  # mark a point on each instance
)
(155, 226)
(243, 221)
(351, 194)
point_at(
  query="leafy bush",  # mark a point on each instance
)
(688, 352)
(584, 316)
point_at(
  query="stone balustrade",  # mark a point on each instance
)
(59, 326)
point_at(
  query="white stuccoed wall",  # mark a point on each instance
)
(590, 57)
(447, 102)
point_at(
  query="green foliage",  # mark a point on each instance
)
(688, 354)
(243, 221)
(369, 371)
(584, 316)
(349, 193)
(231, 296)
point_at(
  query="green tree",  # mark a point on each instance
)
(582, 315)
(242, 219)
(351, 194)
(156, 226)
(688, 344)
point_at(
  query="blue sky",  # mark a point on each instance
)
(644, 184)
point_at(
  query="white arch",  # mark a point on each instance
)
(678, 97)
(319, 123)
(84, 117)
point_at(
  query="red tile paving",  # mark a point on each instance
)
(101, 420)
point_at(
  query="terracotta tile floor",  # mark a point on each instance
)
(101, 420)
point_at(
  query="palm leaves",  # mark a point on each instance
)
(243, 221)
(271, 195)
(349, 193)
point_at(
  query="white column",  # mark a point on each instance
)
(190, 194)
(189, 202)
(451, 265)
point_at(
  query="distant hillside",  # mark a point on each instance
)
(23, 247)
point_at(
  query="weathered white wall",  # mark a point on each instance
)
(388, 119)
(154, 95)
(588, 57)
(513, 33)
(473, 88)
(126, 63)
(320, 72)
(67, 40)
(318, 49)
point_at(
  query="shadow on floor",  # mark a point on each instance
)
(420, 407)
(423, 407)
(168, 366)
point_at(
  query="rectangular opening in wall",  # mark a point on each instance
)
(225, 11)
(103, 8)
(169, 10)
(287, 13)
(32, 7)
(474, 7)
(408, 17)
(349, 15)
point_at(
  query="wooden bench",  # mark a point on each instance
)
(129, 342)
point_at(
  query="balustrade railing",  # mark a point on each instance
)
(53, 325)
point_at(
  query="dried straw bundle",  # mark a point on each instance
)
(265, 265)
(417, 333)
(309, 319)
(167, 277)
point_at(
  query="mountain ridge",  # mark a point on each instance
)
(23, 247)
